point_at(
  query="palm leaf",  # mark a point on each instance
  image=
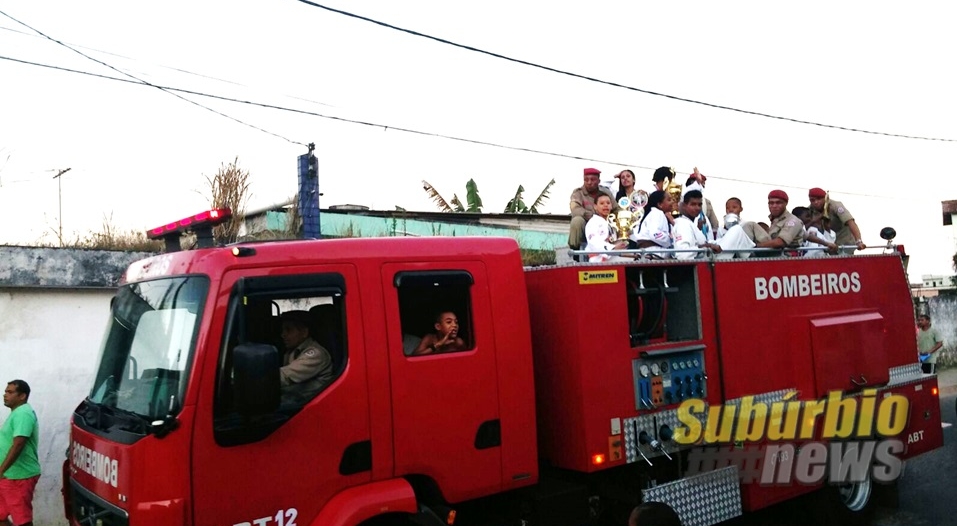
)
(436, 197)
(516, 205)
(457, 204)
(472, 196)
(542, 197)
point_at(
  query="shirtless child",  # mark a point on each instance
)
(446, 336)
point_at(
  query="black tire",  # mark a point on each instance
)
(656, 514)
(887, 495)
(851, 504)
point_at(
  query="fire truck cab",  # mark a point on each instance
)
(559, 408)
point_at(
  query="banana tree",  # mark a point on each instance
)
(455, 205)
(515, 206)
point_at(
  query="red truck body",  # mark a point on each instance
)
(551, 384)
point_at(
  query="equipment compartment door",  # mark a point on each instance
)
(848, 352)
(445, 404)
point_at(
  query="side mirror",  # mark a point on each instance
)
(256, 375)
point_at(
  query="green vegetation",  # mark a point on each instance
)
(516, 205)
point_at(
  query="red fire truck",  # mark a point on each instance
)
(562, 408)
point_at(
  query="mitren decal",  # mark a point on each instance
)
(803, 285)
(591, 277)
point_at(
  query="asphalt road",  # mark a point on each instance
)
(926, 489)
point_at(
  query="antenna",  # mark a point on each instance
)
(59, 191)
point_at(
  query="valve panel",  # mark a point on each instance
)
(669, 379)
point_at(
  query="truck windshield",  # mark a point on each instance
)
(148, 346)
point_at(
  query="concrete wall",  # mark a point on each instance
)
(54, 305)
(51, 338)
(531, 231)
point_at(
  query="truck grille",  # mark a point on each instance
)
(89, 510)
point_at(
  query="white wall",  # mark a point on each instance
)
(51, 339)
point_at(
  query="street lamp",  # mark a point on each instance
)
(59, 188)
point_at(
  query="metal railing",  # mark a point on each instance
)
(657, 253)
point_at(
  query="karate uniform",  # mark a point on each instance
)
(597, 233)
(688, 236)
(827, 235)
(654, 227)
(712, 226)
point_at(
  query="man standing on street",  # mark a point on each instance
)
(929, 344)
(582, 206)
(20, 469)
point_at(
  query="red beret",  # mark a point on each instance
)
(816, 192)
(592, 171)
(778, 194)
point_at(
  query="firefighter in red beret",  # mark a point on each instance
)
(582, 206)
(842, 222)
(786, 231)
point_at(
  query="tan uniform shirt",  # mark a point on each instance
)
(306, 370)
(582, 204)
(789, 228)
(839, 217)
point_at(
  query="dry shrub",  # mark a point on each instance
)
(229, 188)
(536, 258)
(111, 238)
(293, 221)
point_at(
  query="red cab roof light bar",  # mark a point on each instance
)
(202, 224)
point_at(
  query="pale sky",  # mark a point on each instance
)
(139, 155)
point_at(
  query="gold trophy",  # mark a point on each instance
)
(620, 224)
(674, 189)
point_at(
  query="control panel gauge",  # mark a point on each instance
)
(643, 369)
(655, 369)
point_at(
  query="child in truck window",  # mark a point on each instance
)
(444, 339)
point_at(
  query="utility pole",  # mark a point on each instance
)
(309, 194)
(59, 191)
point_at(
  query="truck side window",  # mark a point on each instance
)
(435, 310)
(303, 319)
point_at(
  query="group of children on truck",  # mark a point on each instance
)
(689, 228)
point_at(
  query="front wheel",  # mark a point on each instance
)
(850, 504)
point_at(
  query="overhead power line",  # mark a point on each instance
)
(386, 127)
(611, 83)
(171, 68)
(145, 83)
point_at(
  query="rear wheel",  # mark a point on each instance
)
(850, 504)
(857, 497)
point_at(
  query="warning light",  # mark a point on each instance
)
(598, 459)
(450, 518)
(933, 391)
(202, 224)
(207, 219)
